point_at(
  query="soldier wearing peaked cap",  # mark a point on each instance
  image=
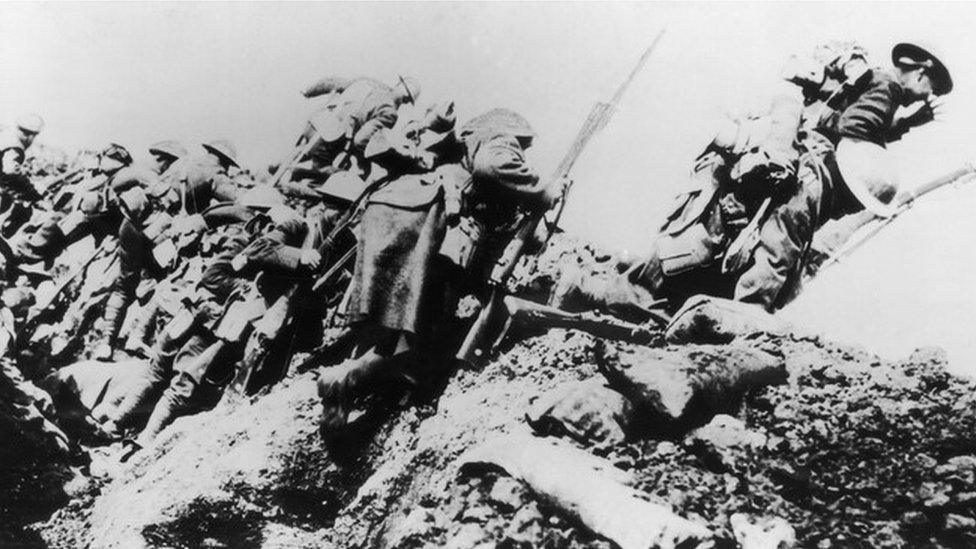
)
(745, 233)
(844, 169)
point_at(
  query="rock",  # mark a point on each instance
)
(914, 519)
(670, 386)
(724, 439)
(954, 522)
(584, 487)
(587, 411)
(412, 528)
(525, 526)
(467, 537)
(478, 514)
(507, 493)
(752, 532)
(704, 319)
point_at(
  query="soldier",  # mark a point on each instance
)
(165, 153)
(400, 289)
(847, 174)
(195, 355)
(17, 193)
(193, 183)
(49, 232)
(14, 144)
(337, 134)
(767, 183)
(143, 227)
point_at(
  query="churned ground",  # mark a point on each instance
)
(848, 450)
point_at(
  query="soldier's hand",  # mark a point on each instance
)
(917, 114)
(311, 259)
(557, 190)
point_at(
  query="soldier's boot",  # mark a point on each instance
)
(340, 385)
(138, 339)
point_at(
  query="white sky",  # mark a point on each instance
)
(139, 73)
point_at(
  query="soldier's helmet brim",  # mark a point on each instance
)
(344, 186)
(31, 123)
(261, 197)
(224, 150)
(168, 148)
(937, 71)
(498, 120)
(864, 167)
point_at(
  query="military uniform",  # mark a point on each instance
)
(17, 194)
(198, 182)
(357, 110)
(140, 232)
(191, 356)
(819, 193)
(402, 290)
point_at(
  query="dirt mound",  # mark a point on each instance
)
(35, 463)
(850, 451)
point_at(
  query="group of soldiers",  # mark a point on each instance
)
(359, 246)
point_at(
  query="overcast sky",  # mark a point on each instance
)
(141, 72)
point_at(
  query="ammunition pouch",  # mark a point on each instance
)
(165, 253)
(690, 249)
(181, 323)
(240, 312)
(462, 242)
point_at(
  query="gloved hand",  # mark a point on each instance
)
(914, 115)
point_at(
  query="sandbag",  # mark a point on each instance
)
(706, 319)
(671, 387)
(587, 488)
(587, 411)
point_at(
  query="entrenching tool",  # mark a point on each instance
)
(599, 115)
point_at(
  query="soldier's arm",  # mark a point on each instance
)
(501, 163)
(869, 117)
(277, 250)
(328, 84)
(383, 116)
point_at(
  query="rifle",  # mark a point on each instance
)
(292, 162)
(32, 323)
(597, 119)
(903, 203)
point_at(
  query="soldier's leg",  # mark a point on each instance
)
(177, 398)
(159, 372)
(783, 241)
(368, 371)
